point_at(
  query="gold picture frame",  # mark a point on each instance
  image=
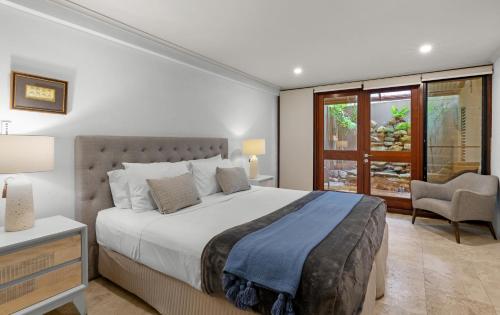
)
(36, 93)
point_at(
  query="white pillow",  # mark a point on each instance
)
(137, 173)
(118, 183)
(204, 174)
(213, 158)
(217, 157)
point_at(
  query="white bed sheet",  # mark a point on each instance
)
(173, 243)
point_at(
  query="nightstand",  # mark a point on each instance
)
(262, 180)
(44, 267)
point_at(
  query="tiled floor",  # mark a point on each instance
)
(428, 273)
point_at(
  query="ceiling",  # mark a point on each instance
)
(332, 40)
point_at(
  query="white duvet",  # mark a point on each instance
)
(173, 243)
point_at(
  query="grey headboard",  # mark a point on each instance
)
(96, 155)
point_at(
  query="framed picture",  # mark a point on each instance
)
(35, 93)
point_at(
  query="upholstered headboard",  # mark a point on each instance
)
(96, 155)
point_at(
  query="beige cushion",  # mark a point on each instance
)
(442, 207)
(232, 179)
(174, 193)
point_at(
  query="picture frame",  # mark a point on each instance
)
(40, 94)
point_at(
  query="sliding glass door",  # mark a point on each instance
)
(455, 128)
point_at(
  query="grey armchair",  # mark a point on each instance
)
(470, 196)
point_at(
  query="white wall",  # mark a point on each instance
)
(296, 139)
(495, 132)
(117, 90)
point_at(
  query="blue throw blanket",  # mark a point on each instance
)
(273, 257)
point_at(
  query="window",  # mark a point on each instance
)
(455, 133)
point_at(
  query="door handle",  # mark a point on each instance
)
(367, 155)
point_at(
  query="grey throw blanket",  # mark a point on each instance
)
(273, 257)
(336, 272)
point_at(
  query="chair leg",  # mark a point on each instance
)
(457, 232)
(492, 230)
(414, 215)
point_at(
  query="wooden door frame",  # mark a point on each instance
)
(486, 120)
(318, 155)
(415, 157)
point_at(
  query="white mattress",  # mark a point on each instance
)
(173, 243)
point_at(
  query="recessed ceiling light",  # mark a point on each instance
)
(297, 70)
(425, 49)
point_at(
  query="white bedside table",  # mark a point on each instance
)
(44, 267)
(262, 180)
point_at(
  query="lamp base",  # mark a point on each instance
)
(19, 213)
(254, 167)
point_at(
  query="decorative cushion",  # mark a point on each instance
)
(442, 207)
(232, 179)
(118, 182)
(174, 193)
(140, 197)
(204, 175)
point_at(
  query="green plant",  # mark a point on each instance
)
(402, 126)
(345, 115)
(401, 113)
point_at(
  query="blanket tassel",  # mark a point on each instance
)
(249, 296)
(279, 305)
(239, 303)
(232, 292)
(228, 281)
(289, 307)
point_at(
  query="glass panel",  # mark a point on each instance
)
(341, 122)
(454, 122)
(390, 179)
(390, 121)
(341, 175)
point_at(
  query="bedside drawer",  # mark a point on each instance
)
(27, 261)
(31, 291)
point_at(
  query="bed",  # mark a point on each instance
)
(136, 251)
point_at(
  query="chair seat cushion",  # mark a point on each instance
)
(442, 207)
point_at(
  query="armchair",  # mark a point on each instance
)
(469, 196)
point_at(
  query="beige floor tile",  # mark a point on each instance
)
(384, 309)
(492, 289)
(410, 301)
(475, 290)
(489, 270)
(443, 303)
(454, 275)
(443, 282)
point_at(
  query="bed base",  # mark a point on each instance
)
(170, 296)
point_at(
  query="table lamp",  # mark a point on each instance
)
(254, 147)
(22, 154)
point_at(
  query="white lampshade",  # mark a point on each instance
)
(26, 154)
(254, 147)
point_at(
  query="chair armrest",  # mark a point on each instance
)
(421, 189)
(470, 205)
